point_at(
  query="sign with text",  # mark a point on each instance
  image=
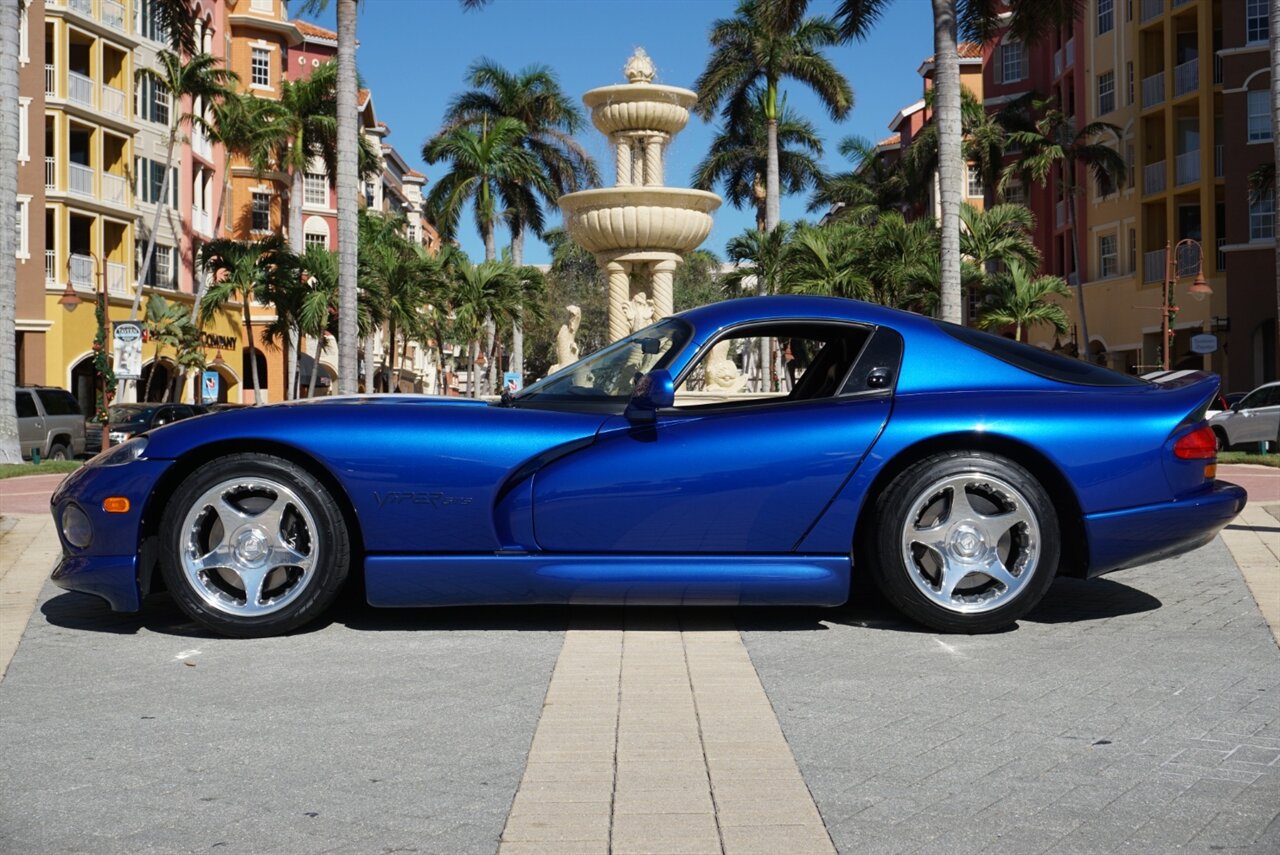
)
(1204, 343)
(126, 350)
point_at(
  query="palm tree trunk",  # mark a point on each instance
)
(1082, 348)
(475, 368)
(315, 367)
(151, 377)
(517, 327)
(393, 374)
(10, 451)
(348, 189)
(1275, 142)
(155, 221)
(253, 353)
(368, 366)
(946, 107)
(293, 338)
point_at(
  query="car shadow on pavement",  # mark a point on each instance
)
(1068, 601)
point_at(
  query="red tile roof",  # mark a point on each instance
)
(896, 139)
(310, 30)
(964, 50)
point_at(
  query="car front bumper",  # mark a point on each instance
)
(1133, 536)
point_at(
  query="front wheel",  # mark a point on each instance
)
(58, 451)
(253, 545)
(965, 542)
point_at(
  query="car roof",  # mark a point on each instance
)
(715, 316)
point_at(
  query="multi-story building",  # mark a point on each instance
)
(32, 321)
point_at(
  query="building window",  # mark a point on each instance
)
(152, 99)
(261, 219)
(316, 189)
(146, 24)
(163, 266)
(1106, 16)
(1128, 70)
(412, 233)
(1106, 93)
(1108, 259)
(1255, 21)
(1133, 250)
(1015, 193)
(24, 148)
(1262, 217)
(1012, 62)
(1259, 115)
(261, 67)
(975, 181)
(149, 179)
(21, 222)
(315, 239)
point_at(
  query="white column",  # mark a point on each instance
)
(663, 281)
(619, 294)
(653, 161)
(622, 156)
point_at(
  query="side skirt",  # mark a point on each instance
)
(453, 580)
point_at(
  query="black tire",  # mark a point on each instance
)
(917, 506)
(1221, 436)
(58, 451)
(310, 528)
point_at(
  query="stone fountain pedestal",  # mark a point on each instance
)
(639, 229)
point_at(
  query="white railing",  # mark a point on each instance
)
(79, 88)
(115, 278)
(1153, 266)
(1186, 77)
(1151, 8)
(1153, 89)
(84, 7)
(261, 6)
(1057, 62)
(200, 221)
(1068, 53)
(113, 14)
(1153, 178)
(115, 189)
(200, 144)
(80, 179)
(50, 173)
(1218, 160)
(50, 266)
(112, 101)
(1187, 167)
(81, 270)
(1060, 214)
(50, 79)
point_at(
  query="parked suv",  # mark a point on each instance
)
(49, 421)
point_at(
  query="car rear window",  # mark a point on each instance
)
(58, 402)
(1043, 363)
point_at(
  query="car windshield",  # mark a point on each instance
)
(610, 374)
(128, 413)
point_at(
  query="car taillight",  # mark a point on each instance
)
(1200, 444)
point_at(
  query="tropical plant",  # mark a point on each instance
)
(1019, 299)
(697, 281)
(766, 42)
(874, 184)
(997, 237)
(243, 271)
(481, 295)
(573, 280)
(760, 262)
(738, 160)
(167, 325)
(829, 260)
(1054, 145)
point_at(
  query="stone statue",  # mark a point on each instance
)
(639, 68)
(722, 374)
(567, 351)
(639, 312)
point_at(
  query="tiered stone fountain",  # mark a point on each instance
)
(639, 229)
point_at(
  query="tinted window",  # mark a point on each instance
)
(58, 402)
(26, 406)
(1265, 397)
(1043, 363)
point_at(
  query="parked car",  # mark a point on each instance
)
(50, 422)
(959, 470)
(1255, 418)
(128, 420)
(219, 408)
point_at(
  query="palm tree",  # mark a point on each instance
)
(997, 237)
(1016, 298)
(760, 259)
(764, 43)
(532, 96)
(405, 279)
(10, 14)
(874, 184)
(481, 294)
(202, 79)
(1056, 146)
(738, 160)
(244, 271)
(830, 260)
(167, 325)
(318, 307)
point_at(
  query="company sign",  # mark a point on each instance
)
(126, 351)
(1204, 343)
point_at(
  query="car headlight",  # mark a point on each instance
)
(76, 528)
(121, 454)
(119, 435)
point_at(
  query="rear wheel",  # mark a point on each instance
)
(58, 451)
(253, 545)
(1221, 437)
(965, 542)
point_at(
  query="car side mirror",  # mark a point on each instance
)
(654, 391)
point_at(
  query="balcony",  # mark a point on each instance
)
(1153, 266)
(81, 269)
(51, 266)
(200, 144)
(84, 7)
(50, 173)
(1060, 215)
(115, 189)
(115, 278)
(1186, 77)
(1153, 178)
(1218, 158)
(1153, 89)
(1068, 53)
(113, 14)
(80, 179)
(79, 88)
(112, 101)
(50, 79)
(200, 221)
(1187, 168)
(1151, 9)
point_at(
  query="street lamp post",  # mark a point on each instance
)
(69, 300)
(1169, 307)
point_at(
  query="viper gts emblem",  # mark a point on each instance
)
(434, 499)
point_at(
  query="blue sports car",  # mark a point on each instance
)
(960, 471)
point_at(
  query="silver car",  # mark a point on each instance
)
(1255, 418)
(49, 421)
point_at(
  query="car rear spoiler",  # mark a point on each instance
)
(1194, 389)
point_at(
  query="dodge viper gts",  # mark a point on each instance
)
(960, 471)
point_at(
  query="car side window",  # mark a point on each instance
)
(1256, 398)
(26, 406)
(804, 362)
(58, 402)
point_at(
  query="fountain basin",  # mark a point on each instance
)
(639, 106)
(622, 219)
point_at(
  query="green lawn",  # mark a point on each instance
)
(1245, 457)
(48, 467)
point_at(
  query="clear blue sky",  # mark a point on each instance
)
(414, 54)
